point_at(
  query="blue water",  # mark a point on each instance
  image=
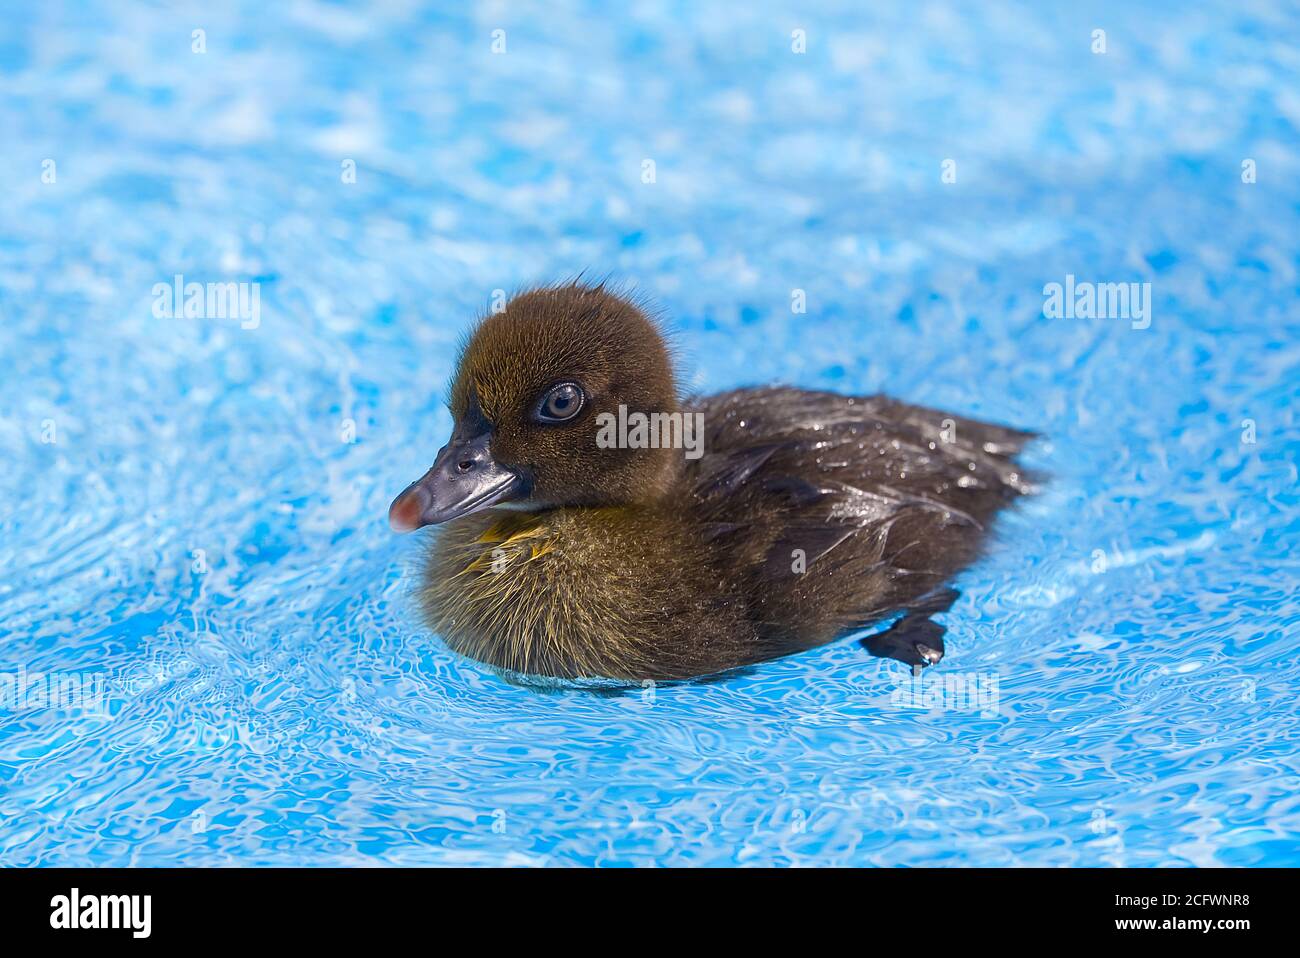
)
(182, 513)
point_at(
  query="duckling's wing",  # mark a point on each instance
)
(802, 447)
(839, 510)
(909, 447)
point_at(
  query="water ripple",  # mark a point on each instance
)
(192, 513)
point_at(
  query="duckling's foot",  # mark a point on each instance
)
(913, 640)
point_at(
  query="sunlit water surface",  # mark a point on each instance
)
(183, 516)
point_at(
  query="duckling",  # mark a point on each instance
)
(803, 515)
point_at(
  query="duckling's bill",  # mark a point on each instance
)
(465, 478)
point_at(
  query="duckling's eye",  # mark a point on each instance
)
(561, 403)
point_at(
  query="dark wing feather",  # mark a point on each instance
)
(844, 509)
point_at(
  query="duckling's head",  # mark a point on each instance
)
(532, 383)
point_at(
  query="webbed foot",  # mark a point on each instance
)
(912, 640)
(915, 639)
